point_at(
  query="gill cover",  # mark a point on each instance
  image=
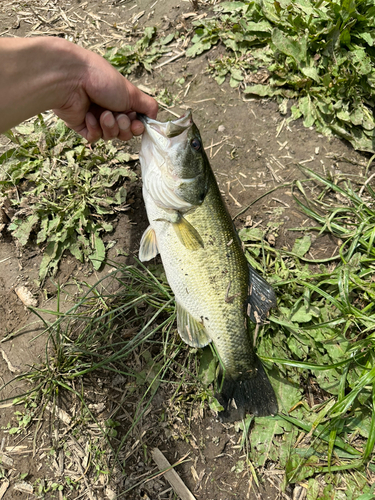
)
(174, 165)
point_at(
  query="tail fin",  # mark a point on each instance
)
(253, 395)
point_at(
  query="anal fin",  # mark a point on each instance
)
(191, 331)
(261, 297)
(148, 247)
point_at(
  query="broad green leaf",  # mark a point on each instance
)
(121, 195)
(293, 48)
(76, 251)
(251, 234)
(220, 79)
(98, 255)
(197, 49)
(298, 468)
(261, 437)
(368, 37)
(123, 157)
(207, 366)
(48, 257)
(261, 90)
(25, 128)
(302, 246)
(288, 393)
(23, 229)
(308, 110)
(232, 6)
(301, 315)
(328, 492)
(366, 496)
(261, 26)
(167, 39)
(234, 83)
(312, 490)
(329, 381)
(236, 74)
(311, 72)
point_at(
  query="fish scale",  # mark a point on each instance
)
(214, 287)
(212, 282)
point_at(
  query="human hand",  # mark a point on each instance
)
(82, 88)
(101, 103)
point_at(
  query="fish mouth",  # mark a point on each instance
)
(168, 129)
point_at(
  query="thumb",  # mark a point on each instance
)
(141, 102)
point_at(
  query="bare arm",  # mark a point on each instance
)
(81, 87)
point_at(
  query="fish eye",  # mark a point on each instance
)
(195, 143)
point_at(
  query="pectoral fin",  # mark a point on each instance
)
(261, 297)
(187, 234)
(191, 331)
(148, 247)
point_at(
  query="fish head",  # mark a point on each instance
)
(175, 168)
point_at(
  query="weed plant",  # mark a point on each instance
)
(320, 53)
(140, 55)
(318, 347)
(319, 343)
(62, 191)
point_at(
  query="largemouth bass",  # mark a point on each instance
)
(216, 290)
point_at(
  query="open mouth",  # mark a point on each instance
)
(168, 129)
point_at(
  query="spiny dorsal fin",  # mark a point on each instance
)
(261, 297)
(187, 234)
(148, 248)
(191, 331)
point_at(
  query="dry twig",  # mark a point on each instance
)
(171, 476)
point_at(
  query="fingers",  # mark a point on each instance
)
(124, 124)
(137, 127)
(141, 102)
(93, 130)
(116, 126)
(111, 126)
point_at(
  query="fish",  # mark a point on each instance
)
(217, 292)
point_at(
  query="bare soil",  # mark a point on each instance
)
(252, 151)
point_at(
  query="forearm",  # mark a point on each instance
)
(36, 75)
(81, 87)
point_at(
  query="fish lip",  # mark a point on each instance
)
(143, 118)
(168, 129)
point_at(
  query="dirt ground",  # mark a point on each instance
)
(252, 150)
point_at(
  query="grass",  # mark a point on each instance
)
(124, 335)
(320, 344)
(318, 347)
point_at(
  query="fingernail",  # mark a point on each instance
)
(91, 120)
(138, 128)
(109, 119)
(123, 122)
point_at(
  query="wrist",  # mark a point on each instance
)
(62, 66)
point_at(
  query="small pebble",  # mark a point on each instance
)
(26, 296)
(221, 128)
